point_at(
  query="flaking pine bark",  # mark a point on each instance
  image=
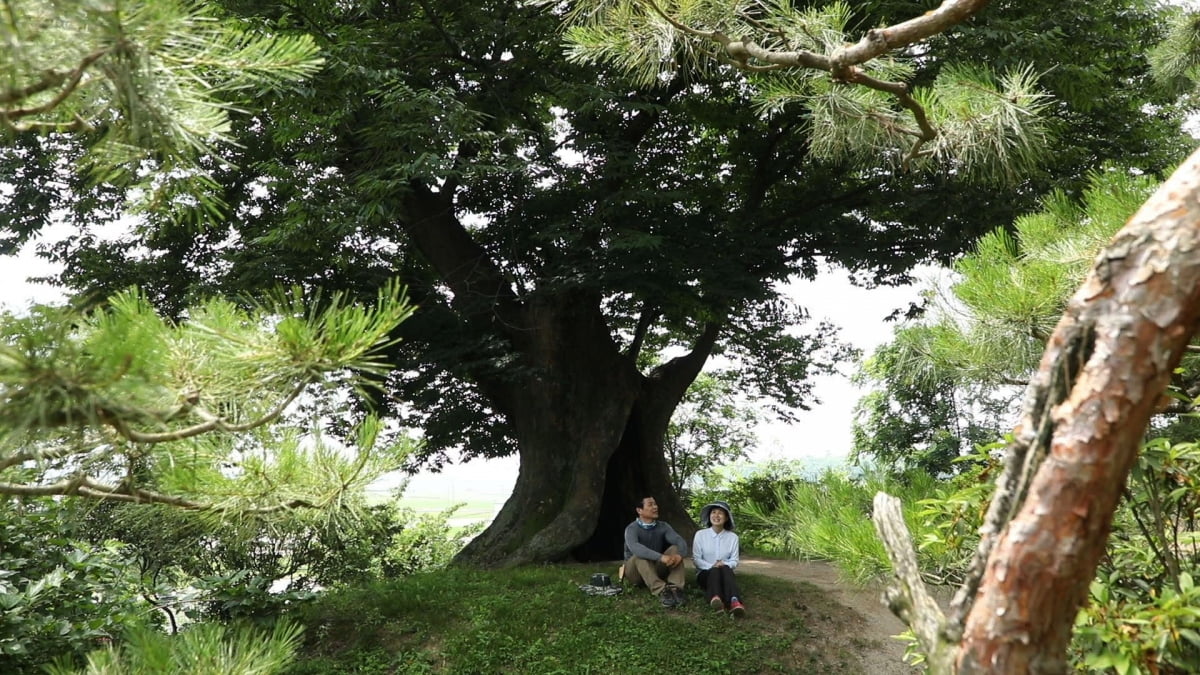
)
(1102, 376)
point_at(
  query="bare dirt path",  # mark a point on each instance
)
(869, 623)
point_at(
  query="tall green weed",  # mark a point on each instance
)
(830, 519)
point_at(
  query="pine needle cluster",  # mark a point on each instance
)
(993, 322)
(969, 121)
(148, 85)
(124, 405)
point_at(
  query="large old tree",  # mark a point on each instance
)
(556, 222)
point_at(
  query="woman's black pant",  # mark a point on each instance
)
(719, 581)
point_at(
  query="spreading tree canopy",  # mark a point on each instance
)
(555, 219)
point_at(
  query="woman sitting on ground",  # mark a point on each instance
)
(715, 553)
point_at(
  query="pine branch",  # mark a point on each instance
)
(211, 422)
(85, 486)
(843, 64)
(991, 139)
(50, 79)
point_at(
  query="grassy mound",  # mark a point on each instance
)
(536, 620)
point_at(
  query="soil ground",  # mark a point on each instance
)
(842, 617)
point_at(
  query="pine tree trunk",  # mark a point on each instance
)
(1101, 378)
(1127, 329)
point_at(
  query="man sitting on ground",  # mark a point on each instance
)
(654, 554)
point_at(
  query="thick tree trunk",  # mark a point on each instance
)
(589, 429)
(588, 425)
(575, 505)
(636, 470)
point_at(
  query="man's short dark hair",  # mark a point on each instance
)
(642, 502)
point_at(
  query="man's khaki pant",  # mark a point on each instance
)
(653, 573)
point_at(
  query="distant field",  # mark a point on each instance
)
(478, 509)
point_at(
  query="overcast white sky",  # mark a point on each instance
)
(823, 432)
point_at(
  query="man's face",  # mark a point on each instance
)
(649, 509)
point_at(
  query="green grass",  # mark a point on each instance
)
(830, 519)
(475, 509)
(472, 509)
(535, 620)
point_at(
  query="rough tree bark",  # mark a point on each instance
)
(1102, 375)
(588, 425)
(589, 429)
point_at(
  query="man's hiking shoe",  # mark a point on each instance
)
(736, 609)
(680, 598)
(667, 598)
(716, 603)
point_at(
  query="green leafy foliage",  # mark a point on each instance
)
(424, 542)
(765, 487)
(1144, 610)
(948, 380)
(1153, 629)
(990, 128)
(254, 569)
(59, 595)
(1013, 287)
(920, 420)
(576, 182)
(1176, 60)
(244, 596)
(143, 83)
(710, 427)
(830, 519)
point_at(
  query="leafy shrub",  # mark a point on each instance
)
(1143, 614)
(242, 595)
(255, 568)
(424, 542)
(764, 488)
(1139, 629)
(59, 595)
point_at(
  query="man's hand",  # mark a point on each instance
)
(672, 560)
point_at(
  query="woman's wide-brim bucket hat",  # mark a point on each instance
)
(704, 512)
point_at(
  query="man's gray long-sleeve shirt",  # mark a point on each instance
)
(649, 544)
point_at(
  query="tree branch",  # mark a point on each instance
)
(1023, 457)
(645, 319)
(909, 599)
(480, 290)
(672, 378)
(881, 40)
(49, 79)
(843, 64)
(84, 486)
(1130, 321)
(34, 456)
(211, 422)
